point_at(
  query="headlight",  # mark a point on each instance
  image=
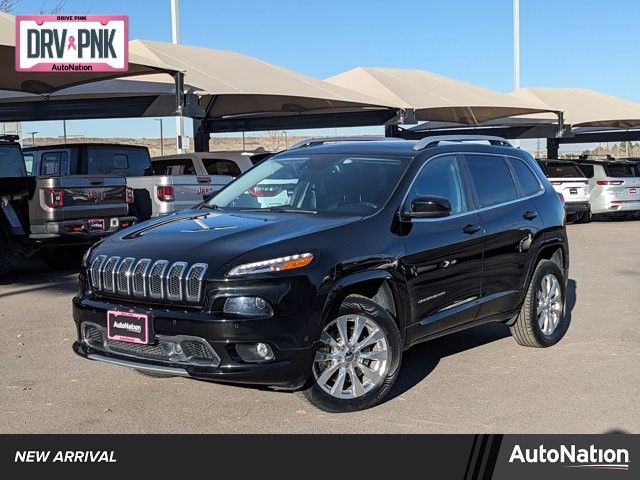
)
(290, 262)
(248, 307)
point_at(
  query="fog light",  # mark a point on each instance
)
(248, 307)
(254, 352)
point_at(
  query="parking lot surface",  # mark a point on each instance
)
(474, 381)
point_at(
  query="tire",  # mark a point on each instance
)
(527, 330)
(573, 218)
(6, 256)
(587, 217)
(63, 258)
(381, 373)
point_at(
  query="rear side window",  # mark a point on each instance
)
(178, 166)
(54, 163)
(563, 170)
(492, 179)
(440, 177)
(11, 162)
(215, 166)
(619, 171)
(587, 170)
(115, 161)
(529, 184)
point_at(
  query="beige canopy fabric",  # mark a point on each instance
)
(435, 97)
(48, 82)
(585, 108)
(244, 85)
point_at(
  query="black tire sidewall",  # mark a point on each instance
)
(544, 268)
(355, 304)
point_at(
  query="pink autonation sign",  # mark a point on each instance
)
(72, 43)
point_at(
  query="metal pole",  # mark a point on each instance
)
(64, 130)
(175, 39)
(243, 144)
(33, 138)
(516, 49)
(161, 137)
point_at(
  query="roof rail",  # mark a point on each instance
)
(312, 142)
(9, 138)
(435, 140)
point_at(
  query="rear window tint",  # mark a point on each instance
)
(215, 166)
(12, 162)
(178, 166)
(118, 161)
(620, 171)
(562, 170)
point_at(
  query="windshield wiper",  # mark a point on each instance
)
(278, 210)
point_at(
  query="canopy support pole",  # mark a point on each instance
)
(178, 78)
(553, 147)
(202, 129)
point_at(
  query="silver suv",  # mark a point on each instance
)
(569, 181)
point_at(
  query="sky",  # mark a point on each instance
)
(568, 43)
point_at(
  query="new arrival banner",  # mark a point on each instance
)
(63, 43)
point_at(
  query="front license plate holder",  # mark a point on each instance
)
(131, 327)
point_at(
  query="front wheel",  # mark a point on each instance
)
(541, 321)
(358, 358)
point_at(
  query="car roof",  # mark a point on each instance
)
(81, 145)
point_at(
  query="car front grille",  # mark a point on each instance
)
(146, 279)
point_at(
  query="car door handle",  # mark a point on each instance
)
(529, 215)
(471, 229)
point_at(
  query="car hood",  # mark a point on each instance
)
(214, 237)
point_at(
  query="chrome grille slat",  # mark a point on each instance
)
(108, 269)
(94, 272)
(194, 278)
(123, 283)
(145, 278)
(156, 279)
(139, 282)
(174, 281)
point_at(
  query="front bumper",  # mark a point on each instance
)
(577, 207)
(289, 368)
(80, 229)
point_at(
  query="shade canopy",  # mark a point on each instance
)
(48, 82)
(435, 97)
(586, 108)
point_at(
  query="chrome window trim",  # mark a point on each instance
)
(468, 212)
(181, 278)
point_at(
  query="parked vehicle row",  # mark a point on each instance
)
(596, 187)
(59, 199)
(374, 247)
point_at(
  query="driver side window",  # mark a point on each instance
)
(440, 177)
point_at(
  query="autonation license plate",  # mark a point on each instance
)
(96, 225)
(128, 327)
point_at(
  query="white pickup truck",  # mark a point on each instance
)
(184, 180)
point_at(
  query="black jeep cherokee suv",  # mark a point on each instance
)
(321, 281)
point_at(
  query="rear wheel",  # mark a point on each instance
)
(541, 321)
(63, 258)
(358, 358)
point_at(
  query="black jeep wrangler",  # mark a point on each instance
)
(376, 246)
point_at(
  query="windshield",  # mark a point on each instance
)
(326, 183)
(11, 162)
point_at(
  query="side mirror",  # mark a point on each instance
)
(429, 207)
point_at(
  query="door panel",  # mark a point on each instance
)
(443, 261)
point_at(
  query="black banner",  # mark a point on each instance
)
(466, 457)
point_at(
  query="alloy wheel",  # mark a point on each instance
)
(550, 304)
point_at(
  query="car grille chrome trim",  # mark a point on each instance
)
(139, 278)
(123, 276)
(108, 274)
(174, 281)
(145, 278)
(94, 271)
(194, 278)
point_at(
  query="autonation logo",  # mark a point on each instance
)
(573, 457)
